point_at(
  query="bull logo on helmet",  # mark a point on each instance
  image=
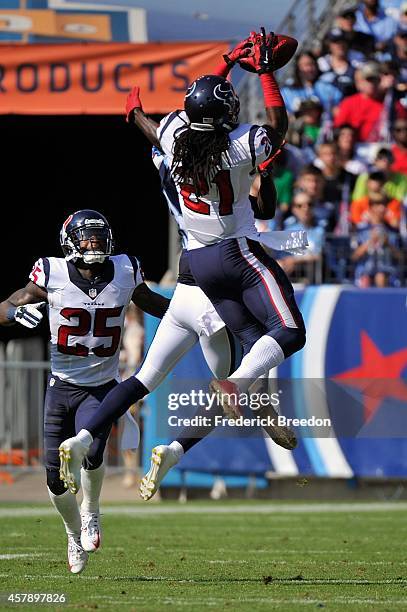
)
(191, 89)
(225, 93)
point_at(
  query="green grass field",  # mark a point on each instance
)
(237, 556)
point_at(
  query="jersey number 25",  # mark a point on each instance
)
(100, 330)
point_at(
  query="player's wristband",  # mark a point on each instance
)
(224, 68)
(271, 90)
(10, 313)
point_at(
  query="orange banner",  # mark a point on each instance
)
(95, 78)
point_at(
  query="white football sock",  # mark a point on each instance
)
(67, 507)
(177, 448)
(92, 481)
(264, 355)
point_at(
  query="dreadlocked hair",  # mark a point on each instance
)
(198, 156)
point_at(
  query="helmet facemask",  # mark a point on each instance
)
(94, 231)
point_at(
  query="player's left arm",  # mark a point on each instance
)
(149, 301)
(276, 112)
(277, 118)
(135, 114)
(270, 51)
(263, 197)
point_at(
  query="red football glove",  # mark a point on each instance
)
(133, 101)
(249, 62)
(243, 49)
(263, 61)
(269, 52)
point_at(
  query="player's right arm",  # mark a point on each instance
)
(12, 309)
(134, 107)
(24, 306)
(135, 114)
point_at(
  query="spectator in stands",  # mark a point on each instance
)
(375, 190)
(304, 130)
(358, 41)
(306, 83)
(395, 183)
(392, 8)
(371, 19)
(400, 55)
(303, 218)
(399, 148)
(339, 183)
(311, 181)
(338, 66)
(378, 247)
(396, 53)
(403, 16)
(393, 92)
(364, 110)
(345, 138)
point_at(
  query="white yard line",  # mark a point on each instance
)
(21, 555)
(217, 602)
(309, 562)
(147, 510)
(298, 583)
(220, 600)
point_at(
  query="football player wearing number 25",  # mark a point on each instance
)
(86, 293)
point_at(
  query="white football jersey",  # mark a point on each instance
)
(86, 318)
(224, 211)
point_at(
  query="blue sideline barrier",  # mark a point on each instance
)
(353, 370)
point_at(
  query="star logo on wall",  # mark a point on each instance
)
(377, 377)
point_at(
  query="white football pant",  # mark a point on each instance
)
(190, 318)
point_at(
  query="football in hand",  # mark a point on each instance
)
(283, 51)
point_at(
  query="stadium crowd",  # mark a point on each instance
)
(342, 175)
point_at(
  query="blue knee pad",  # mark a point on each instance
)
(55, 484)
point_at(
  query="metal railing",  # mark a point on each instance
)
(21, 414)
(308, 20)
(22, 392)
(335, 266)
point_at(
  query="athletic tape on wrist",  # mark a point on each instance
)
(10, 313)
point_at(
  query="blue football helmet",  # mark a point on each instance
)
(211, 103)
(85, 225)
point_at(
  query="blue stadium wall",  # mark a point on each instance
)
(352, 370)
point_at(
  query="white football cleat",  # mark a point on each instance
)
(228, 394)
(91, 533)
(77, 557)
(71, 454)
(163, 458)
